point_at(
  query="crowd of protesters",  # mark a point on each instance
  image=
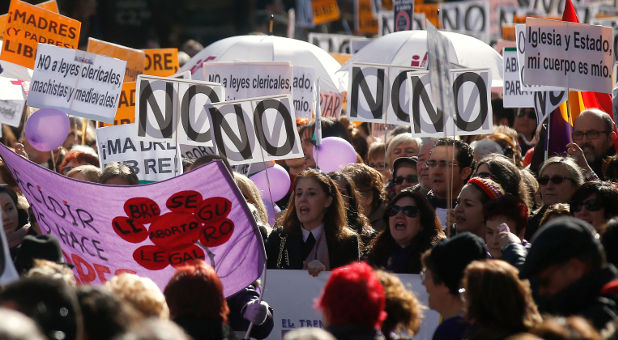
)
(503, 251)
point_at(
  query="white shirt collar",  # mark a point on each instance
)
(317, 231)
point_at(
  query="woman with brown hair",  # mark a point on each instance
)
(313, 233)
(412, 228)
(497, 303)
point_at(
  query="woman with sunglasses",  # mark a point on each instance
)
(412, 228)
(595, 203)
(404, 173)
(313, 233)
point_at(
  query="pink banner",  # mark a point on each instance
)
(146, 229)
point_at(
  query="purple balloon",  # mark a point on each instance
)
(333, 154)
(47, 129)
(279, 182)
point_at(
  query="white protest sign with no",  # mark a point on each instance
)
(79, 83)
(337, 43)
(520, 42)
(472, 106)
(466, 17)
(175, 109)
(150, 160)
(572, 55)
(513, 95)
(243, 80)
(12, 101)
(255, 130)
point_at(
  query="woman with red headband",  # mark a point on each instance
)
(469, 209)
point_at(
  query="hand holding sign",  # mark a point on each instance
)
(47, 129)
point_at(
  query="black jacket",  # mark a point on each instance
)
(237, 322)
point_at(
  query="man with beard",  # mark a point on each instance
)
(593, 132)
(569, 273)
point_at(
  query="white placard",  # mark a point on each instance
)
(150, 160)
(571, 55)
(368, 93)
(472, 95)
(12, 101)
(303, 82)
(292, 294)
(242, 139)
(512, 93)
(520, 43)
(546, 102)
(337, 43)
(175, 109)
(79, 83)
(243, 80)
(609, 22)
(466, 17)
(398, 100)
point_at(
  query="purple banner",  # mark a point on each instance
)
(148, 229)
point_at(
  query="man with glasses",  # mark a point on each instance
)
(593, 132)
(448, 174)
(569, 273)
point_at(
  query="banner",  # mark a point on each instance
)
(136, 59)
(292, 294)
(49, 5)
(146, 229)
(336, 43)
(162, 62)
(125, 113)
(29, 25)
(255, 130)
(575, 56)
(79, 83)
(151, 161)
(403, 11)
(12, 101)
(466, 17)
(512, 93)
(164, 103)
(471, 113)
(303, 81)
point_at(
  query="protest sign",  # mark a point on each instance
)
(466, 17)
(512, 93)
(162, 62)
(125, 113)
(571, 55)
(255, 130)
(494, 16)
(337, 43)
(8, 273)
(49, 5)
(136, 59)
(303, 82)
(29, 25)
(609, 22)
(243, 80)
(520, 42)
(399, 95)
(386, 22)
(404, 12)
(285, 286)
(76, 82)
(471, 112)
(163, 103)
(431, 12)
(439, 55)
(331, 103)
(14, 71)
(151, 161)
(146, 229)
(12, 101)
(364, 21)
(324, 11)
(545, 102)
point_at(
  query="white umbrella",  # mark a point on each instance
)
(269, 48)
(404, 48)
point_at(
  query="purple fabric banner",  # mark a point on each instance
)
(147, 229)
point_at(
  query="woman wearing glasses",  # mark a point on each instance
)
(412, 228)
(595, 203)
(313, 232)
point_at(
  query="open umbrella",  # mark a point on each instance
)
(269, 48)
(409, 48)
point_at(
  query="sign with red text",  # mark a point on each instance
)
(49, 5)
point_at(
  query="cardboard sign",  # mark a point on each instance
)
(255, 130)
(12, 101)
(466, 17)
(29, 25)
(472, 113)
(364, 21)
(303, 82)
(520, 36)
(77, 82)
(575, 56)
(136, 59)
(125, 114)
(151, 161)
(336, 43)
(512, 93)
(403, 12)
(49, 5)
(146, 229)
(386, 22)
(298, 286)
(164, 103)
(325, 11)
(243, 80)
(162, 62)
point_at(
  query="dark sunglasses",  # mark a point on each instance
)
(554, 179)
(591, 205)
(408, 210)
(410, 179)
